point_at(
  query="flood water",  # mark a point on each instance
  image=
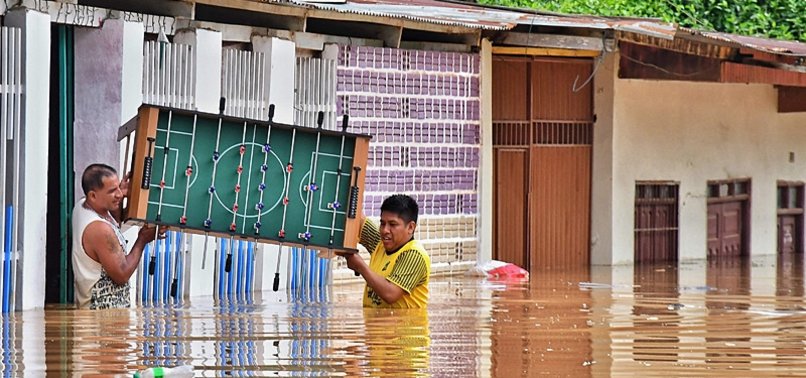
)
(737, 318)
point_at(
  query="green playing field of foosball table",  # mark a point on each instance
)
(263, 180)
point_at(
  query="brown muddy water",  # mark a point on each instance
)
(730, 319)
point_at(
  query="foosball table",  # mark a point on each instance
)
(261, 180)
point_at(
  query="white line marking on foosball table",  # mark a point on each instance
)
(165, 150)
(312, 187)
(188, 173)
(172, 184)
(208, 222)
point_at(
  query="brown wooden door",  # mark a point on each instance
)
(559, 207)
(511, 170)
(656, 226)
(542, 109)
(725, 229)
(655, 233)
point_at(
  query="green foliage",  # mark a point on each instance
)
(782, 19)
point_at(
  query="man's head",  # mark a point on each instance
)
(101, 187)
(398, 221)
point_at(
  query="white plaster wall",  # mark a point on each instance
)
(207, 49)
(32, 213)
(282, 58)
(694, 132)
(485, 226)
(602, 220)
(132, 70)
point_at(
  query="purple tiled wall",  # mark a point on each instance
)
(422, 110)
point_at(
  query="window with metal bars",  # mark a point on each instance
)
(656, 221)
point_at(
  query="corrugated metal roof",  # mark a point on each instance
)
(489, 18)
(472, 16)
(429, 11)
(773, 46)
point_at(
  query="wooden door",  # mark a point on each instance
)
(542, 130)
(509, 197)
(728, 218)
(656, 225)
(511, 135)
(726, 229)
(559, 208)
(561, 112)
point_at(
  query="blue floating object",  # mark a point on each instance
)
(261, 187)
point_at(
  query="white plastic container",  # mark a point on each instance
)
(183, 371)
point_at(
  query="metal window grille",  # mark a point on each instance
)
(243, 84)
(169, 75)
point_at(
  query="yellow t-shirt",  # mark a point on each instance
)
(409, 268)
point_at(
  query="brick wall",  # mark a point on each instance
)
(422, 110)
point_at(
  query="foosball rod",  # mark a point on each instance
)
(208, 222)
(239, 172)
(165, 152)
(335, 204)
(312, 187)
(153, 260)
(289, 169)
(276, 283)
(188, 172)
(183, 219)
(175, 282)
(264, 168)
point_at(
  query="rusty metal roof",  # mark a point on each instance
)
(429, 11)
(474, 16)
(773, 46)
(488, 18)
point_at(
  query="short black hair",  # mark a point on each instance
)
(93, 177)
(404, 206)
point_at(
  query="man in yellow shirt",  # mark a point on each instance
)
(399, 268)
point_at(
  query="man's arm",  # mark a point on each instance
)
(388, 291)
(102, 245)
